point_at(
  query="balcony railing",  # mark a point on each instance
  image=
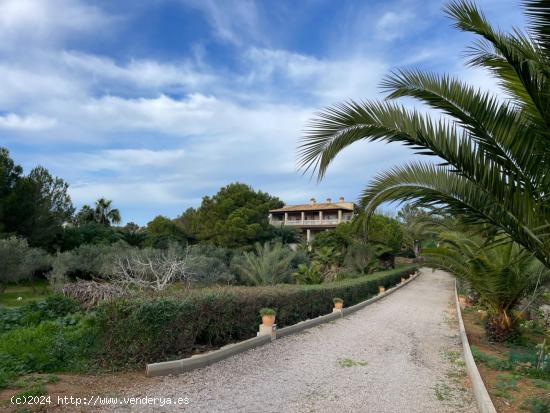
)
(308, 222)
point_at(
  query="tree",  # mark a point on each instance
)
(501, 275)
(152, 269)
(19, 261)
(105, 214)
(133, 234)
(418, 226)
(34, 206)
(162, 231)
(385, 231)
(237, 216)
(495, 150)
(91, 233)
(84, 216)
(335, 240)
(9, 175)
(268, 264)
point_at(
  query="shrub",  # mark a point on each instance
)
(34, 313)
(152, 329)
(337, 300)
(269, 264)
(19, 261)
(308, 274)
(66, 344)
(210, 264)
(361, 258)
(88, 261)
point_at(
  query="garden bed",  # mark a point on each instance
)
(57, 335)
(507, 369)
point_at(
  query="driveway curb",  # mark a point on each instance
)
(202, 360)
(484, 402)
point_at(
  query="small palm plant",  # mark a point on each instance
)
(268, 264)
(308, 274)
(500, 273)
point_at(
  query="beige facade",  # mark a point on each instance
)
(314, 217)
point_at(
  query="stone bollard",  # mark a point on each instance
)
(381, 290)
(268, 330)
(403, 279)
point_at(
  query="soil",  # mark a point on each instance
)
(77, 385)
(473, 322)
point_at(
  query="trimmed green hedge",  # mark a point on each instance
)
(156, 329)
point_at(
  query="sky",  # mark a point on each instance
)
(157, 103)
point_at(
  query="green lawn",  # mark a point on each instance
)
(28, 292)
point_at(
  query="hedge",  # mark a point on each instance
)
(155, 329)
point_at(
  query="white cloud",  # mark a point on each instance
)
(393, 25)
(24, 85)
(233, 21)
(152, 192)
(25, 123)
(143, 73)
(121, 160)
(44, 21)
(328, 79)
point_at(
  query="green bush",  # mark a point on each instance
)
(210, 264)
(19, 262)
(308, 274)
(88, 261)
(155, 329)
(65, 344)
(34, 313)
(268, 264)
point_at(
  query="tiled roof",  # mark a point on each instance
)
(347, 206)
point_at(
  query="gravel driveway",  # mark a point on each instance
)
(401, 354)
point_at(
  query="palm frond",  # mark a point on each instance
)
(538, 12)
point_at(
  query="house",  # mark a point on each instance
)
(314, 217)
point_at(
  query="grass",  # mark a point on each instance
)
(347, 362)
(508, 369)
(506, 383)
(492, 362)
(536, 405)
(457, 370)
(38, 290)
(34, 385)
(541, 384)
(442, 392)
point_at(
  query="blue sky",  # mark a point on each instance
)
(156, 103)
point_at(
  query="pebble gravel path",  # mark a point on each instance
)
(400, 354)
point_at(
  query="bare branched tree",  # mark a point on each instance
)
(151, 269)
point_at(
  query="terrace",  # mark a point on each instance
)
(313, 217)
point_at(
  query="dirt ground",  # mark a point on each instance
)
(473, 322)
(106, 384)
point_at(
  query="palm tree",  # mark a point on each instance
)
(269, 264)
(105, 214)
(501, 275)
(418, 225)
(494, 150)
